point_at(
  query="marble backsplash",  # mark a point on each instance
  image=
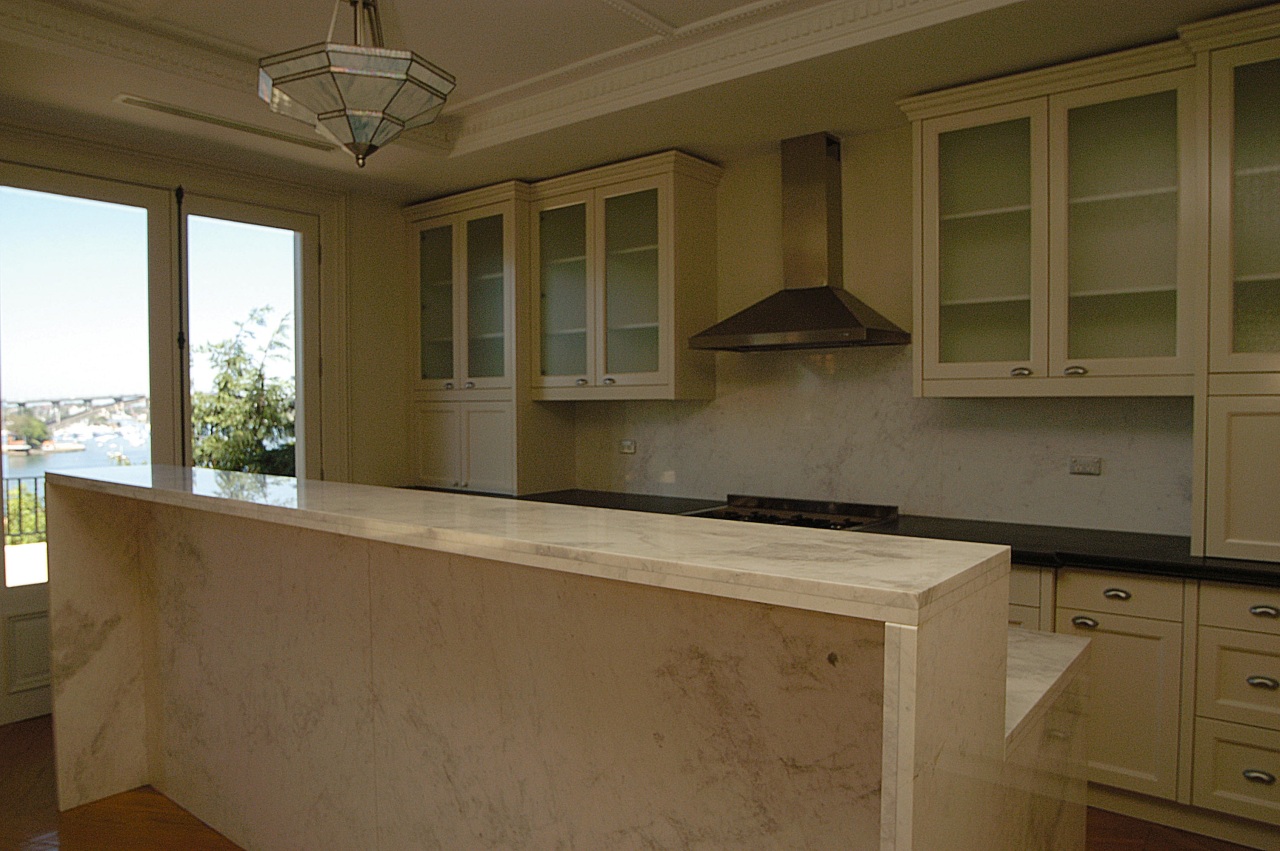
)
(842, 424)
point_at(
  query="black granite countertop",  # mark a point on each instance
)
(1041, 546)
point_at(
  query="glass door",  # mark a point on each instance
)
(635, 284)
(985, 257)
(245, 308)
(1121, 157)
(566, 338)
(79, 263)
(486, 300)
(1245, 289)
(435, 305)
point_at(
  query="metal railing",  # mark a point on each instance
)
(23, 510)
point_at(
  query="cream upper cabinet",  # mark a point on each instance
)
(1244, 334)
(466, 265)
(623, 266)
(1058, 233)
(1242, 488)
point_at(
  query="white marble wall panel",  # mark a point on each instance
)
(843, 424)
(265, 725)
(525, 709)
(98, 640)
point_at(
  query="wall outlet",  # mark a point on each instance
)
(1085, 465)
(627, 446)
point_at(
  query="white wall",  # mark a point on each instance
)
(843, 424)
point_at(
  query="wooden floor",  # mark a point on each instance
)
(144, 820)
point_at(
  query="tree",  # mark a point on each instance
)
(28, 427)
(246, 422)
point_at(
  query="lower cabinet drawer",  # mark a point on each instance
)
(1238, 677)
(1024, 617)
(1237, 770)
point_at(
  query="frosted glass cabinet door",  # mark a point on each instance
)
(435, 280)
(632, 280)
(566, 337)
(985, 243)
(1121, 167)
(486, 299)
(1245, 276)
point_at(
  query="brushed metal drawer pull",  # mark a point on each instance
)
(1084, 622)
(448, 385)
(611, 381)
(1075, 370)
(1253, 775)
(1265, 611)
(1116, 594)
(1019, 371)
(581, 382)
(1263, 682)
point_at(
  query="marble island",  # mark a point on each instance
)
(311, 664)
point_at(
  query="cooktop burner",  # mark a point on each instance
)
(815, 514)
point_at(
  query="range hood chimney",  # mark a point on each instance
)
(813, 310)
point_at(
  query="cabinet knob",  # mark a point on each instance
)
(581, 382)
(1116, 594)
(1264, 611)
(1084, 622)
(1019, 371)
(470, 385)
(1253, 775)
(611, 381)
(1268, 683)
(448, 385)
(1075, 370)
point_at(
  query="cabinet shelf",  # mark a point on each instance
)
(488, 278)
(635, 326)
(566, 261)
(1125, 195)
(980, 214)
(1260, 278)
(1258, 171)
(995, 299)
(566, 332)
(1123, 291)
(636, 249)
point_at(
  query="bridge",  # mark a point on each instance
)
(64, 412)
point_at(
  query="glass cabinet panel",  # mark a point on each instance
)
(1256, 209)
(631, 282)
(562, 243)
(1122, 221)
(435, 277)
(984, 243)
(486, 285)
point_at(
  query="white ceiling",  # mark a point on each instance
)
(544, 86)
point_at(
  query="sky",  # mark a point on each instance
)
(73, 304)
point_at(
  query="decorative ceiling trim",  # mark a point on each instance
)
(807, 34)
(641, 17)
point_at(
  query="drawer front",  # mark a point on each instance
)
(1248, 607)
(1239, 677)
(1120, 594)
(1237, 770)
(1024, 586)
(1024, 617)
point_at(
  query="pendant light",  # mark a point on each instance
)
(361, 96)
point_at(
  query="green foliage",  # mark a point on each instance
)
(24, 515)
(27, 426)
(246, 423)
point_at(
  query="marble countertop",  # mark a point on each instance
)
(891, 579)
(1037, 662)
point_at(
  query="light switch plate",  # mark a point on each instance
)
(627, 446)
(1086, 465)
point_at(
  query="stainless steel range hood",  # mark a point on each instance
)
(813, 311)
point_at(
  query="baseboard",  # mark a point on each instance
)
(1253, 834)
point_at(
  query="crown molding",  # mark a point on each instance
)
(774, 43)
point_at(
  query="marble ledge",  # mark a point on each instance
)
(1040, 666)
(900, 580)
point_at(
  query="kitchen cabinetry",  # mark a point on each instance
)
(1242, 489)
(1031, 597)
(1237, 759)
(465, 248)
(623, 263)
(1057, 250)
(465, 446)
(1135, 694)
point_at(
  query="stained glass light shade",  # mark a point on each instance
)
(358, 97)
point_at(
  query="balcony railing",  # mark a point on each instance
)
(24, 510)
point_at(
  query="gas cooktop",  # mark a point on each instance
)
(812, 513)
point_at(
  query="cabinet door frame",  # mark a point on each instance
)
(425, 448)
(1189, 230)
(1223, 64)
(1035, 110)
(420, 227)
(1219, 487)
(664, 186)
(586, 199)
